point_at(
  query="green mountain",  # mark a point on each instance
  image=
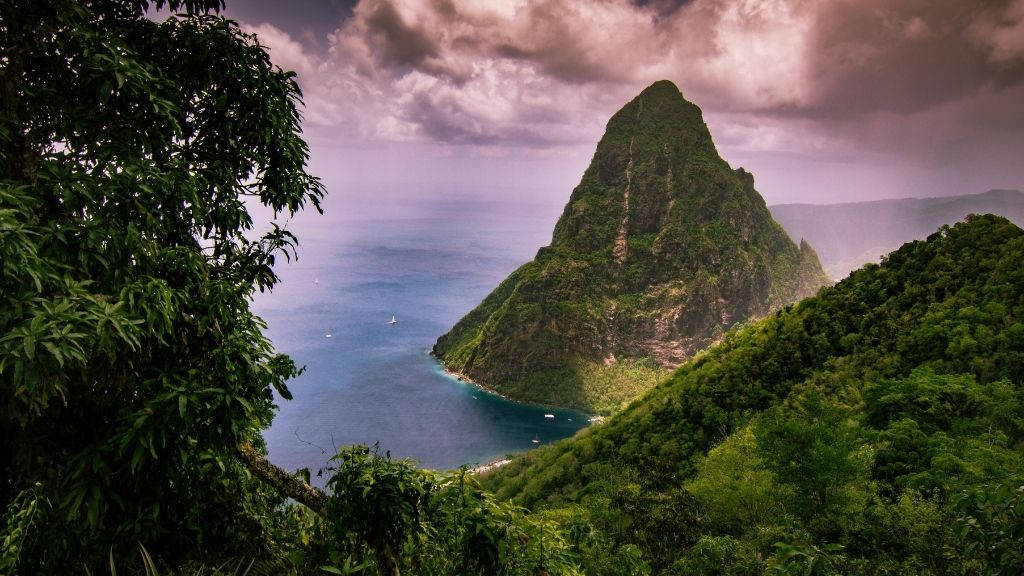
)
(661, 248)
(849, 235)
(877, 428)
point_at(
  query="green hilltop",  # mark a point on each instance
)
(874, 429)
(660, 249)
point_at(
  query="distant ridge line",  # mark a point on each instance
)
(988, 193)
(848, 235)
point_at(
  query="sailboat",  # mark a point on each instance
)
(393, 321)
(536, 440)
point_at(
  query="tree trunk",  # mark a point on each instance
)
(390, 561)
(309, 496)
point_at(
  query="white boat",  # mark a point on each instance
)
(536, 440)
(549, 415)
(393, 321)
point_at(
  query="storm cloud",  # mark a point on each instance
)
(907, 87)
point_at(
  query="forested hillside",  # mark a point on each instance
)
(860, 427)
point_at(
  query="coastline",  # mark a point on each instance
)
(591, 418)
(491, 465)
(466, 379)
(498, 462)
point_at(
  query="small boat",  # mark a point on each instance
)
(393, 321)
(536, 440)
(549, 415)
(328, 335)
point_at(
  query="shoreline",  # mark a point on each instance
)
(498, 462)
(493, 464)
(591, 418)
(466, 379)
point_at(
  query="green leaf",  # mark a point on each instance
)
(245, 403)
(137, 455)
(29, 345)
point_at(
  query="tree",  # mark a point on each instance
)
(378, 502)
(989, 529)
(132, 370)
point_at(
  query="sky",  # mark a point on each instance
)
(824, 101)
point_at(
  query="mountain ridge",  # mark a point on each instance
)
(854, 419)
(850, 234)
(659, 250)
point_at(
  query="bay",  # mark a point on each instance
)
(426, 259)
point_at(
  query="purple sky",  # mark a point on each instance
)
(824, 101)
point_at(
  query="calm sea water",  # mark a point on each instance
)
(427, 262)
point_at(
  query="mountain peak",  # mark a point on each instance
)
(660, 249)
(662, 89)
(661, 102)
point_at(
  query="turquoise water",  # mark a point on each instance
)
(427, 262)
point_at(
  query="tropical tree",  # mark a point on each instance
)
(134, 378)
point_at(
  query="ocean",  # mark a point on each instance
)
(426, 259)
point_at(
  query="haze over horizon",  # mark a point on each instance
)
(823, 102)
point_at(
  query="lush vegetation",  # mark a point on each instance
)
(135, 379)
(661, 248)
(875, 429)
(132, 369)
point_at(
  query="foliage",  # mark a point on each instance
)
(875, 429)
(832, 437)
(388, 517)
(805, 560)
(989, 529)
(132, 368)
(133, 371)
(376, 501)
(596, 387)
(17, 523)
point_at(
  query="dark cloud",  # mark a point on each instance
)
(560, 46)
(662, 7)
(398, 43)
(869, 93)
(309, 21)
(877, 55)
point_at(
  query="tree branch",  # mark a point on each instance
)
(289, 485)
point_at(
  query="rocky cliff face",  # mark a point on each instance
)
(661, 248)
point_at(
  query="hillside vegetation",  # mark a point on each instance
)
(661, 248)
(874, 429)
(864, 428)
